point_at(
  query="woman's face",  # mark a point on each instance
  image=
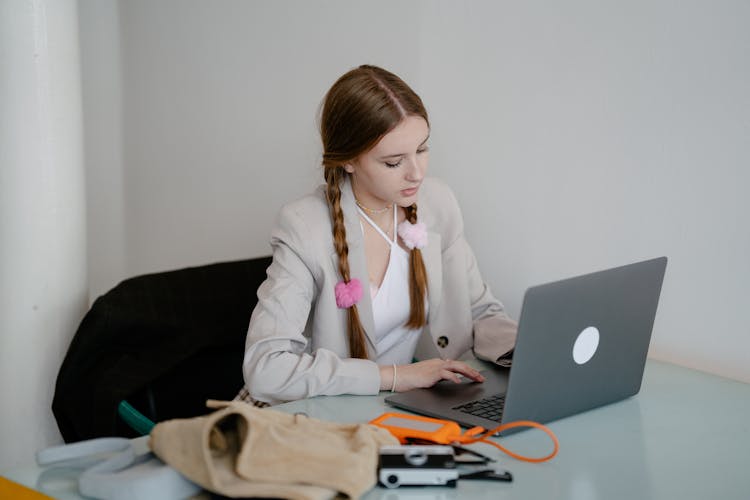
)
(392, 171)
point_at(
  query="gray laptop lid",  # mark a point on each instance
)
(582, 343)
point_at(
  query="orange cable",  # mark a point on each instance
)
(520, 423)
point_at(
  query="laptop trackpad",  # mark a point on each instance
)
(467, 390)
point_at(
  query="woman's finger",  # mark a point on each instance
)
(465, 370)
(450, 375)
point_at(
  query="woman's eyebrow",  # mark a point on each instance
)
(404, 154)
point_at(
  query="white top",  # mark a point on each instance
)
(395, 343)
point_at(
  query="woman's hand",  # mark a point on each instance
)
(426, 374)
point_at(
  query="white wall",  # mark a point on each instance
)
(219, 108)
(577, 135)
(102, 112)
(581, 135)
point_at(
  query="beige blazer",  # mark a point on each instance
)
(296, 343)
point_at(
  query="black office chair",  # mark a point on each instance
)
(157, 347)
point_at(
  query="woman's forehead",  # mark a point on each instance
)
(410, 133)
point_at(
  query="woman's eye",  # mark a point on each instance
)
(423, 150)
(394, 165)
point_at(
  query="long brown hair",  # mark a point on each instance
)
(360, 108)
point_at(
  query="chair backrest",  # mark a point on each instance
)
(165, 342)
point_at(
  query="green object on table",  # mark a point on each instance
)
(135, 419)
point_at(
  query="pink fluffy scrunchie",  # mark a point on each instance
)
(348, 294)
(414, 235)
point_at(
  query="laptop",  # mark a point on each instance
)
(582, 343)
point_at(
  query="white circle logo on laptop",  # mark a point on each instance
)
(585, 345)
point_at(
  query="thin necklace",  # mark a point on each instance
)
(371, 210)
(385, 231)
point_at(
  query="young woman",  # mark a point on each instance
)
(371, 264)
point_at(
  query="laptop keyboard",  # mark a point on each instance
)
(490, 408)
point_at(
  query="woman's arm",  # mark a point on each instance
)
(494, 330)
(278, 365)
(425, 374)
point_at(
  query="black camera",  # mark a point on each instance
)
(411, 465)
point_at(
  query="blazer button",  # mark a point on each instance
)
(442, 341)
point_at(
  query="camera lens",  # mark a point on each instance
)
(416, 457)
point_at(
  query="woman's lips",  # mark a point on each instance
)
(410, 191)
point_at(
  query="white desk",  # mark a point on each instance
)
(686, 435)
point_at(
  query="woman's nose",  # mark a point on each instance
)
(416, 169)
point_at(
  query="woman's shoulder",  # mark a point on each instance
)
(438, 206)
(305, 216)
(309, 207)
(436, 192)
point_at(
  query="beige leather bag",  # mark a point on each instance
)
(243, 451)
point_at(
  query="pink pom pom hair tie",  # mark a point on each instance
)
(413, 235)
(348, 294)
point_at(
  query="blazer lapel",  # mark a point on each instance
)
(357, 262)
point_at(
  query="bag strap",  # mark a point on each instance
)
(83, 449)
(125, 477)
(113, 471)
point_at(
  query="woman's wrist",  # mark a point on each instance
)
(388, 377)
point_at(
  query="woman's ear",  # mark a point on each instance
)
(349, 168)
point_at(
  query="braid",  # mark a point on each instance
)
(417, 280)
(356, 333)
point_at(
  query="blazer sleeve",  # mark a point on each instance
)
(278, 366)
(494, 331)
